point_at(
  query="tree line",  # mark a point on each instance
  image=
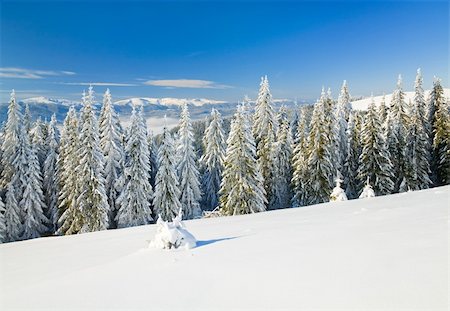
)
(95, 175)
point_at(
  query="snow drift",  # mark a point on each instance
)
(383, 253)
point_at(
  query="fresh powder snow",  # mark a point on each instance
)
(386, 253)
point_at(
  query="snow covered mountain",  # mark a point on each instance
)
(168, 101)
(384, 253)
(41, 100)
(363, 104)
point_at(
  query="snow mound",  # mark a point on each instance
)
(172, 235)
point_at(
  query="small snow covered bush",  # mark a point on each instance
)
(172, 235)
(367, 192)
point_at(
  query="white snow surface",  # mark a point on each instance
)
(363, 104)
(386, 253)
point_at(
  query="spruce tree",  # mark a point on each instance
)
(10, 145)
(320, 154)
(299, 159)
(153, 157)
(441, 140)
(398, 120)
(33, 198)
(212, 160)
(187, 168)
(2, 222)
(70, 217)
(332, 130)
(352, 182)
(92, 199)
(264, 132)
(136, 197)
(343, 111)
(13, 219)
(167, 192)
(111, 145)
(374, 163)
(282, 192)
(383, 111)
(37, 137)
(242, 189)
(417, 166)
(50, 179)
(439, 118)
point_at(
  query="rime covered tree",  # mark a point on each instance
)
(136, 197)
(187, 168)
(13, 218)
(282, 192)
(382, 110)
(111, 145)
(32, 201)
(343, 111)
(92, 199)
(264, 132)
(320, 154)
(37, 137)
(242, 189)
(439, 116)
(374, 163)
(2, 222)
(153, 157)
(50, 181)
(71, 218)
(10, 145)
(352, 182)
(300, 158)
(397, 122)
(212, 160)
(167, 193)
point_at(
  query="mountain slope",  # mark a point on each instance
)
(363, 104)
(385, 253)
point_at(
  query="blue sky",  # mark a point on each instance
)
(219, 50)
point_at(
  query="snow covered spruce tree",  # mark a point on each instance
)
(417, 155)
(13, 214)
(264, 131)
(397, 122)
(111, 145)
(338, 194)
(212, 160)
(70, 217)
(383, 111)
(50, 181)
(332, 129)
(167, 193)
(187, 168)
(441, 139)
(10, 145)
(242, 189)
(374, 163)
(282, 192)
(343, 111)
(320, 154)
(137, 194)
(439, 117)
(92, 199)
(2, 222)
(300, 159)
(32, 202)
(351, 180)
(153, 157)
(38, 137)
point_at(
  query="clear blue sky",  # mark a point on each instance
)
(157, 49)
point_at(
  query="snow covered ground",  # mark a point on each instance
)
(385, 253)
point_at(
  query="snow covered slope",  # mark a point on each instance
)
(385, 253)
(362, 104)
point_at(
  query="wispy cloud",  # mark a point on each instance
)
(98, 83)
(187, 83)
(22, 73)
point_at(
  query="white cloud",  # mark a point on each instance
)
(22, 73)
(98, 83)
(187, 83)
